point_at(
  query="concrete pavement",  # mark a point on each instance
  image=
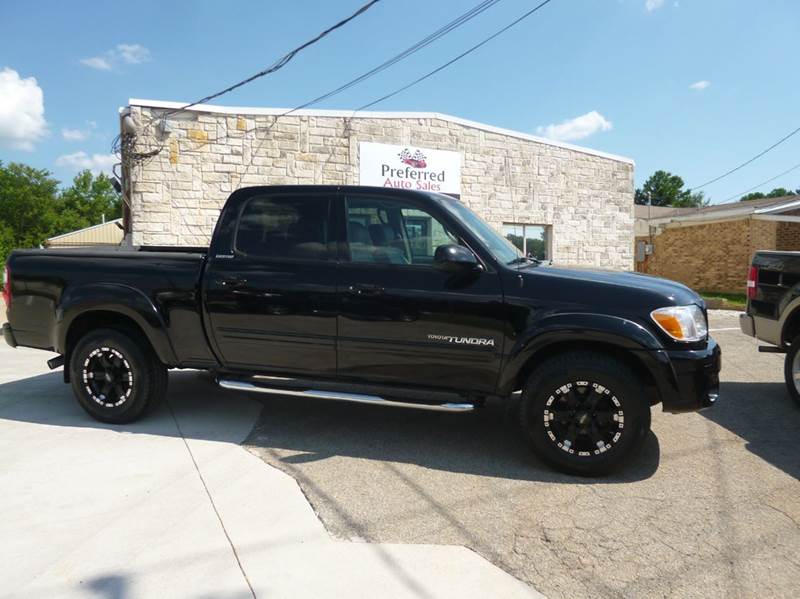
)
(175, 507)
(711, 508)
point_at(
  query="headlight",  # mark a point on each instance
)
(682, 323)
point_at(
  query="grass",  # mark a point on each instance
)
(725, 301)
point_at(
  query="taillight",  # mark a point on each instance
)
(7, 287)
(752, 282)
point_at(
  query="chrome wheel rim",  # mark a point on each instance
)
(584, 418)
(107, 377)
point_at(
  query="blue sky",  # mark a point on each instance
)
(625, 66)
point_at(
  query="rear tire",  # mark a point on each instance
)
(116, 377)
(791, 368)
(584, 413)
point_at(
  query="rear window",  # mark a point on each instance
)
(293, 227)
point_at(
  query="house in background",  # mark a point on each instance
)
(108, 233)
(709, 249)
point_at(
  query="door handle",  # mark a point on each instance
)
(365, 290)
(231, 282)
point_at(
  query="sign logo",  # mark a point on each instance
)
(417, 159)
(410, 167)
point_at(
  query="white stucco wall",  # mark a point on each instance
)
(585, 196)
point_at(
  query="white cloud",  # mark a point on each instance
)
(79, 134)
(651, 5)
(97, 62)
(122, 54)
(577, 128)
(22, 121)
(78, 161)
(74, 134)
(133, 53)
(700, 85)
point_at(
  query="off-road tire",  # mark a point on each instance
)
(136, 383)
(619, 421)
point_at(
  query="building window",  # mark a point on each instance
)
(531, 240)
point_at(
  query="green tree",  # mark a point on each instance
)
(665, 189)
(32, 208)
(778, 192)
(87, 201)
(27, 206)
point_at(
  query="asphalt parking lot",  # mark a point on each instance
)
(711, 508)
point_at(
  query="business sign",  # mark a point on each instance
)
(409, 167)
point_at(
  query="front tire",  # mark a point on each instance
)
(116, 377)
(584, 413)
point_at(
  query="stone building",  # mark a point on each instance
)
(710, 249)
(567, 203)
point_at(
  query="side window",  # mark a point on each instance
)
(392, 232)
(285, 227)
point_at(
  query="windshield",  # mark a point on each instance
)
(500, 247)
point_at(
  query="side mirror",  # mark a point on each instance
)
(454, 259)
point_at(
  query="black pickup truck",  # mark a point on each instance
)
(773, 310)
(372, 295)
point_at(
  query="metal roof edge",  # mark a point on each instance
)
(89, 228)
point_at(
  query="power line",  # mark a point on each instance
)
(278, 64)
(759, 155)
(456, 59)
(441, 32)
(426, 41)
(740, 194)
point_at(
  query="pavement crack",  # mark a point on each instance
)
(211, 500)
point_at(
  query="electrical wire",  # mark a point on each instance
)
(411, 50)
(456, 59)
(743, 164)
(424, 42)
(770, 180)
(278, 64)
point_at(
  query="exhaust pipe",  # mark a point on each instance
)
(54, 363)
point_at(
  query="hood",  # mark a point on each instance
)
(617, 290)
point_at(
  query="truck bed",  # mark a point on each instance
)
(167, 278)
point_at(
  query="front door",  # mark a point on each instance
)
(401, 320)
(272, 302)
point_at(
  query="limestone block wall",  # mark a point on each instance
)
(585, 197)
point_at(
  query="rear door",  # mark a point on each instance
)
(271, 296)
(402, 321)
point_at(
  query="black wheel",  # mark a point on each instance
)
(584, 413)
(115, 377)
(791, 370)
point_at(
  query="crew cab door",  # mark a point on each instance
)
(270, 286)
(403, 321)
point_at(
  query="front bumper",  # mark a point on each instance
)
(696, 377)
(691, 378)
(8, 335)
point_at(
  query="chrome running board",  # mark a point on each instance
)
(342, 396)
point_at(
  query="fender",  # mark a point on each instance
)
(577, 327)
(113, 297)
